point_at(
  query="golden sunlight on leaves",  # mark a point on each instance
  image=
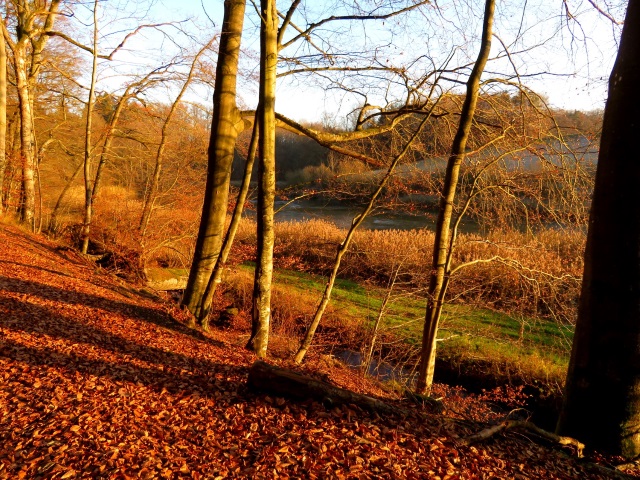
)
(98, 384)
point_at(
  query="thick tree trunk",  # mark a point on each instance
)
(29, 43)
(27, 138)
(216, 276)
(267, 179)
(225, 126)
(442, 245)
(602, 396)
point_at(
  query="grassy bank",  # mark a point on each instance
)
(491, 343)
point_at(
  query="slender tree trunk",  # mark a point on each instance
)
(226, 124)
(344, 246)
(368, 355)
(216, 276)
(441, 248)
(3, 117)
(602, 396)
(89, 185)
(267, 179)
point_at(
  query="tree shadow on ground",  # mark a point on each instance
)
(150, 315)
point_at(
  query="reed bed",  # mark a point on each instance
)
(536, 274)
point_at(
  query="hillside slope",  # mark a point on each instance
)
(99, 381)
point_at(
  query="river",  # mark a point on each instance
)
(342, 214)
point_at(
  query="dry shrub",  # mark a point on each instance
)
(534, 274)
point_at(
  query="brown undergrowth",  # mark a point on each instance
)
(530, 274)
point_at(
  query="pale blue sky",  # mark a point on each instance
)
(587, 62)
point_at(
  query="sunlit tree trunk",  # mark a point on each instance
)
(89, 185)
(261, 316)
(226, 124)
(442, 246)
(3, 116)
(216, 276)
(27, 47)
(602, 395)
(27, 138)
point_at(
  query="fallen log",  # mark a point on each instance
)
(531, 427)
(288, 383)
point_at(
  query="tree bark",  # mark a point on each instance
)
(442, 245)
(3, 117)
(601, 404)
(216, 275)
(27, 138)
(89, 185)
(27, 51)
(225, 126)
(267, 179)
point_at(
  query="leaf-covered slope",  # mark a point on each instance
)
(97, 381)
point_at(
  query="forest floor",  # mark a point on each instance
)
(101, 379)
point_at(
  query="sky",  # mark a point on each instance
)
(577, 55)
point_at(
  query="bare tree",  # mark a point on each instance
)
(3, 117)
(88, 147)
(441, 248)
(152, 188)
(266, 119)
(216, 275)
(344, 246)
(33, 23)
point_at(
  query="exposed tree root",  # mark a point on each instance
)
(531, 427)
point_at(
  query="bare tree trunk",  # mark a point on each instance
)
(29, 42)
(3, 117)
(602, 395)
(226, 124)
(266, 120)
(344, 246)
(27, 138)
(89, 185)
(216, 276)
(442, 246)
(267, 179)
